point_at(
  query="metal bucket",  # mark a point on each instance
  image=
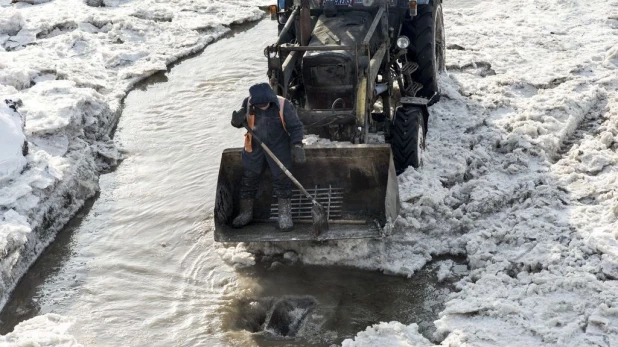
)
(356, 184)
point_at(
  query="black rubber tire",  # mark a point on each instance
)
(407, 137)
(427, 46)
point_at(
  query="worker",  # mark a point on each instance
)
(273, 119)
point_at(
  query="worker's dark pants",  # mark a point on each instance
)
(253, 164)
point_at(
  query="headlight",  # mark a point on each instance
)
(403, 42)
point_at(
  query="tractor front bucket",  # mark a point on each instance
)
(356, 185)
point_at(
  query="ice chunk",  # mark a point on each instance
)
(12, 139)
(389, 334)
(46, 330)
(11, 22)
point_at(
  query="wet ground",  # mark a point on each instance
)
(138, 266)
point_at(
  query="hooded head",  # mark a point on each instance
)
(262, 93)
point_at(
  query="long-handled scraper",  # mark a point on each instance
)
(320, 221)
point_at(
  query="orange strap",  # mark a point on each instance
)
(251, 122)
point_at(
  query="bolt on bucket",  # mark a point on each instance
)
(356, 185)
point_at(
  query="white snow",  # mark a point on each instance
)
(237, 257)
(12, 138)
(389, 334)
(520, 175)
(11, 22)
(66, 65)
(47, 330)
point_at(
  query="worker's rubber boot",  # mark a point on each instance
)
(246, 214)
(285, 215)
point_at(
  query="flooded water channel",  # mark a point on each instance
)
(139, 267)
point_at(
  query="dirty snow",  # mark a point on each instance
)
(65, 66)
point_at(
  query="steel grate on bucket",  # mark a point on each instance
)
(330, 198)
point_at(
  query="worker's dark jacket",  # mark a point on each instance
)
(269, 128)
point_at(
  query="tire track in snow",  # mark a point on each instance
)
(589, 125)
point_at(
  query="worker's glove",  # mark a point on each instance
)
(239, 117)
(298, 153)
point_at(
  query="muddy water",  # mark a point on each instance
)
(138, 267)
(341, 302)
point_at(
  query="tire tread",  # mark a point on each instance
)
(404, 137)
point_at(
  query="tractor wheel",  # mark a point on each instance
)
(407, 138)
(427, 45)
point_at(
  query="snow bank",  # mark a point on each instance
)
(47, 330)
(65, 66)
(520, 175)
